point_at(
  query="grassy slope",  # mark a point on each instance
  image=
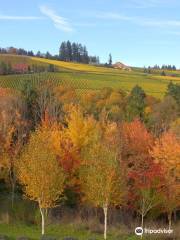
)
(82, 76)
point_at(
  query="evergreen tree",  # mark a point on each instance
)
(62, 51)
(74, 52)
(110, 60)
(174, 91)
(85, 58)
(80, 54)
(48, 55)
(68, 51)
(39, 54)
(136, 104)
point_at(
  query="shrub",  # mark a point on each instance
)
(45, 237)
(22, 238)
(3, 237)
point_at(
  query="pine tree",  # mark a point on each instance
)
(136, 104)
(74, 52)
(110, 60)
(62, 51)
(68, 51)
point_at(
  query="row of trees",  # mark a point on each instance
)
(21, 68)
(68, 52)
(75, 52)
(109, 156)
(16, 51)
(164, 67)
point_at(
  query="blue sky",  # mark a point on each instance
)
(136, 32)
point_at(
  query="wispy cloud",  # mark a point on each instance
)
(112, 16)
(19, 18)
(84, 24)
(58, 21)
(176, 33)
(160, 23)
(151, 3)
(138, 20)
(145, 4)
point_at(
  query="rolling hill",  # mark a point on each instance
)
(83, 77)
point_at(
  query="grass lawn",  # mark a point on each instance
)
(58, 231)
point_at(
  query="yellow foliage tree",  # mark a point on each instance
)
(80, 128)
(39, 171)
(101, 178)
(175, 128)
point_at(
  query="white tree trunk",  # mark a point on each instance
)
(142, 214)
(170, 219)
(142, 220)
(105, 208)
(42, 221)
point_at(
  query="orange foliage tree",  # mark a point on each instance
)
(144, 174)
(167, 153)
(74, 138)
(13, 134)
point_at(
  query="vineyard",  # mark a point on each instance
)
(85, 77)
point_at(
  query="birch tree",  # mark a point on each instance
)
(101, 180)
(40, 173)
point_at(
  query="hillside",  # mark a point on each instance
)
(83, 77)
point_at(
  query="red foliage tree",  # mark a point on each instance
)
(143, 173)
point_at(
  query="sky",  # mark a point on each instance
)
(136, 32)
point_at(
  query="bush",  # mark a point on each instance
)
(45, 237)
(23, 211)
(3, 237)
(22, 238)
(69, 238)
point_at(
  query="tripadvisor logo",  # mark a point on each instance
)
(139, 231)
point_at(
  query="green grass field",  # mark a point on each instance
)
(63, 231)
(84, 77)
(60, 232)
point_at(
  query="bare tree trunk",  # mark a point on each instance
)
(42, 221)
(13, 185)
(105, 208)
(170, 219)
(142, 216)
(142, 220)
(13, 194)
(175, 216)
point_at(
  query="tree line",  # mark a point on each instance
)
(76, 52)
(68, 51)
(163, 67)
(22, 68)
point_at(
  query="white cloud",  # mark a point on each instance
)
(177, 33)
(59, 22)
(138, 20)
(152, 3)
(158, 23)
(19, 18)
(146, 3)
(112, 16)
